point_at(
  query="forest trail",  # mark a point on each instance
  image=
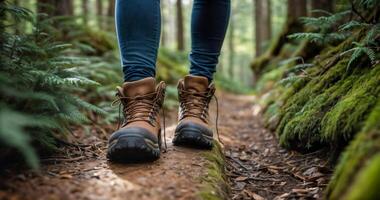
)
(257, 168)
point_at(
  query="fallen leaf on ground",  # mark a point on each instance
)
(253, 195)
(241, 178)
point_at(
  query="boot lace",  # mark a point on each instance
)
(141, 108)
(196, 104)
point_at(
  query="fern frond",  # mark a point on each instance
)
(352, 25)
(301, 67)
(357, 52)
(12, 133)
(85, 105)
(370, 53)
(312, 37)
(289, 80)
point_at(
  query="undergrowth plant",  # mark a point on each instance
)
(324, 100)
(39, 83)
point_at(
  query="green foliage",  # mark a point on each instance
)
(171, 66)
(357, 172)
(365, 186)
(332, 99)
(231, 85)
(325, 101)
(345, 118)
(323, 31)
(38, 83)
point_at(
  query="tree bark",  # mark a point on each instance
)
(180, 27)
(326, 5)
(111, 8)
(2, 19)
(163, 22)
(99, 12)
(231, 48)
(296, 9)
(99, 7)
(85, 11)
(45, 6)
(263, 31)
(55, 7)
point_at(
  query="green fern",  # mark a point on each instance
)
(39, 81)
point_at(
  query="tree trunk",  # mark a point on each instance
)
(99, 7)
(111, 8)
(19, 25)
(55, 7)
(45, 6)
(180, 28)
(85, 11)
(110, 15)
(296, 9)
(163, 22)
(231, 48)
(2, 20)
(263, 31)
(326, 5)
(99, 12)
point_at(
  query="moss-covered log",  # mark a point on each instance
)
(333, 104)
(215, 185)
(357, 175)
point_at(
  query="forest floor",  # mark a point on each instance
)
(256, 167)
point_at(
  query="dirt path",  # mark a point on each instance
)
(89, 175)
(260, 169)
(257, 167)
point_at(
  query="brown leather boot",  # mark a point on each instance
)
(193, 129)
(139, 137)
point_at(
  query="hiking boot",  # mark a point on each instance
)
(139, 137)
(193, 129)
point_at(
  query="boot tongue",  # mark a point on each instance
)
(140, 87)
(195, 83)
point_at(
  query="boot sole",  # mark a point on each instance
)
(192, 137)
(133, 148)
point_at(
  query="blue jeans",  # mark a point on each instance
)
(138, 25)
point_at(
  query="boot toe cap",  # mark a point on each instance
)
(193, 134)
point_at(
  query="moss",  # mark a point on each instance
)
(367, 182)
(260, 62)
(329, 109)
(269, 79)
(214, 185)
(295, 103)
(355, 163)
(346, 118)
(303, 130)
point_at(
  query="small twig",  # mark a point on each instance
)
(63, 159)
(263, 179)
(70, 144)
(265, 189)
(239, 163)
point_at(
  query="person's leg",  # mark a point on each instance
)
(138, 138)
(209, 23)
(138, 27)
(208, 28)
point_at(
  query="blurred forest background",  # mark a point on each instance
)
(314, 64)
(240, 47)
